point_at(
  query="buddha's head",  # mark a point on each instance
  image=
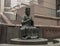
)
(27, 11)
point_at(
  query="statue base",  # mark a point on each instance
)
(29, 42)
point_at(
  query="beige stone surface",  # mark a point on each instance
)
(58, 22)
(20, 45)
(1, 5)
(49, 5)
(51, 2)
(46, 11)
(42, 21)
(50, 44)
(7, 3)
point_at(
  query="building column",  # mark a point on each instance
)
(1, 5)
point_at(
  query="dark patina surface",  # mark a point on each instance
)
(28, 30)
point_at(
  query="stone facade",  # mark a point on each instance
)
(1, 5)
(47, 9)
(7, 3)
(44, 8)
(43, 14)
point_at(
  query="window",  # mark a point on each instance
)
(58, 8)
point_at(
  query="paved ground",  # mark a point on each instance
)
(49, 44)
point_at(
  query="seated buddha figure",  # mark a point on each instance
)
(28, 30)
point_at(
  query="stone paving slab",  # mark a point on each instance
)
(51, 44)
(20, 45)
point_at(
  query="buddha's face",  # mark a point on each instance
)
(27, 11)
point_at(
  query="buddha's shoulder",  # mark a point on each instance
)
(23, 16)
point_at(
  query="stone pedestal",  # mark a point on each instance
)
(29, 42)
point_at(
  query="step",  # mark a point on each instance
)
(29, 42)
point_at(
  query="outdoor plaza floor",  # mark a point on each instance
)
(49, 44)
(58, 44)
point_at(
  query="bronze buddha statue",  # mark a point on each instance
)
(28, 30)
